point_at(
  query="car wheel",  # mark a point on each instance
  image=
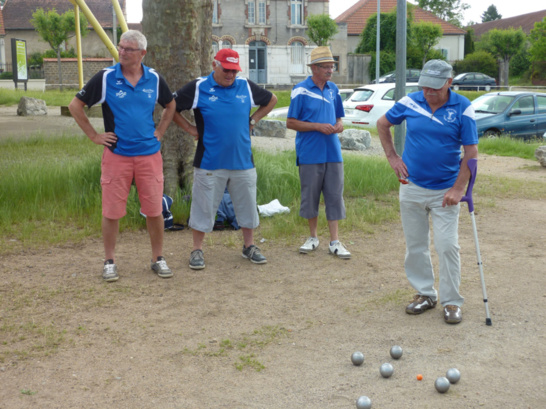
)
(491, 133)
(456, 87)
(488, 88)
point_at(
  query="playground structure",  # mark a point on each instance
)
(80, 4)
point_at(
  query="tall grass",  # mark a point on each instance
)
(506, 146)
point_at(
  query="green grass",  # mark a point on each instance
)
(10, 97)
(283, 98)
(506, 146)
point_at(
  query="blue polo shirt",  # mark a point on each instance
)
(309, 103)
(432, 149)
(128, 111)
(222, 116)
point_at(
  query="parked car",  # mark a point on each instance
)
(369, 102)
(473, 81)
(281, 113)
(412, 75)
(515, 113)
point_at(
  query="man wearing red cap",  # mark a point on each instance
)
(221, 103)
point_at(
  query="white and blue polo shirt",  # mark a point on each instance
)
(128, 111)
(309, 103)
(432, 149)
(222, 116)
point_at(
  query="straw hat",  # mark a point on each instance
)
(320, 55)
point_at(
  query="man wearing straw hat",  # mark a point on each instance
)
(315, 112)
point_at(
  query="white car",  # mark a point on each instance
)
(369, 102)
(281, 113)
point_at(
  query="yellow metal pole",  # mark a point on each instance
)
(79, 45)
(98, 29)
(119, 14)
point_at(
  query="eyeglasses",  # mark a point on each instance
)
(327, 67)
(229, 71)
(127, 50)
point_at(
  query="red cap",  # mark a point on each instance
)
(229, 59)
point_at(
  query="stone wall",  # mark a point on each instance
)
(69, 68)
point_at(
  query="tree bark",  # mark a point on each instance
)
(179, 34)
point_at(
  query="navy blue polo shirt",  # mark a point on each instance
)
(309, 103)
(222, 117)
(432, 149)
(128, 111)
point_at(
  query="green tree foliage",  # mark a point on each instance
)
(448, 10)
(491, 14)
(56, 29)
(504, 45)
(537, 38)
(321, 28)
(387, 35)
(480, 61)
(426, 36)
(469, 45)
(520, 64)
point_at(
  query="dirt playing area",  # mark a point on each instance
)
(279, 335)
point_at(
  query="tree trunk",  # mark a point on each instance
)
(179, 34)
(59, 66)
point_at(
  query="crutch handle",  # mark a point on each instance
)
(473, 166)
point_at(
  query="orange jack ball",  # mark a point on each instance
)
(419, 377)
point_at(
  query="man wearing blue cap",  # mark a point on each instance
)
(434, 179)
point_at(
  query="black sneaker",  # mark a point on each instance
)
(197, 260)
(110, 271)
(253, 254)
(161, 268)
(420, 304)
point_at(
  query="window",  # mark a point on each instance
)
(297, 54)
(214, 47)
(541, 104)
(296, 12)
(251, 12)
(215, 12)
(226, 44)
(336, 64)
(525, 104)
(261, 12)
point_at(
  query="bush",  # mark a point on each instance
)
(8, 75)
(480, 61)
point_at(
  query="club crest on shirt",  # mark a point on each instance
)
(213, 98)
(241, 98)
(332, 96)
(121, 94)
(148, 91)
(451, 115)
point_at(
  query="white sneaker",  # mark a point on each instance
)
(310, 245)
(339, 250)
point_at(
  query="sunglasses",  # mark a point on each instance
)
(127, 50)
(226, 71)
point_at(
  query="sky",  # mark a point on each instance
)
(506, 8)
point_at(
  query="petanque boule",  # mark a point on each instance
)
(357, 358)
(453, 375)
(363, 403)
(396, 352)
(386, 370)
(442, 384)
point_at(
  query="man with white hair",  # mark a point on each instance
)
(433, 180)
(128, 92)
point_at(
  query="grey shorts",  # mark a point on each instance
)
(328, 179)
(208, 190)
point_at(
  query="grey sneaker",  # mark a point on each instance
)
(253, 254)
(310, 245)
(420, 304)
(110, 271)
(197, 260)
(339, 250)
(453, 314)
(160, 268)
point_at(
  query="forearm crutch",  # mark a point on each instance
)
(473, 166)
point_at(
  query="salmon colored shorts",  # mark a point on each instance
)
(117, 175)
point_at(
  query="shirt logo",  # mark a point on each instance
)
(242, 98)
(212, 89)
(121, 94)
(82, 92)
(149, 92)
(332, 95)
(451, 115)
(213, 98)
(119, 82)
(232, 59)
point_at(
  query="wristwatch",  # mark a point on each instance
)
(252, 121)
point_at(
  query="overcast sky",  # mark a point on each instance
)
(506, 8)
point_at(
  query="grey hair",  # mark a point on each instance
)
(135, 36)
(218, 63)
